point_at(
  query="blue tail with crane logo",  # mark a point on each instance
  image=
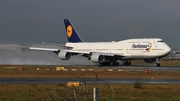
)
(71, 33)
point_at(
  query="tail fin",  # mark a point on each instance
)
(71, 33)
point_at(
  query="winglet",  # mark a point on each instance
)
(71, 33)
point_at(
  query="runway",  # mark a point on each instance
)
(136, 68)
(88, 81)
(151, 68)
(108, 80)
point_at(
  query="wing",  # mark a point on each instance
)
(43, 49)
(54, 44)
(79, 52)
(49, 47)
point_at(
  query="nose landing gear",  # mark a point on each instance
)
(158, 63)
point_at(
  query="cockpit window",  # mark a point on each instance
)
(160, 41)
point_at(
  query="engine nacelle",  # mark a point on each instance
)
(97, 58)
(64, 55)
(150, 60)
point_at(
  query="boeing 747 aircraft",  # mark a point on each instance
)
(151, 50)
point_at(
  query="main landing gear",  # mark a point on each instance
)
(110, 63)
(115, 63)
(127, 63)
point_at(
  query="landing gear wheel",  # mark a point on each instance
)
(127, 63)
(158, 64)
(109, 63)
(105, 64)
(114, 63)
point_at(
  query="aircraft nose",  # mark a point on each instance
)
(168, 49)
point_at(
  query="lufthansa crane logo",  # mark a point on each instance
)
(69, 31)
(149, 49)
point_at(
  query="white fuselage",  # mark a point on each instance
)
(127, 49)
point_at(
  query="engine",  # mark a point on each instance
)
(97, 58)
(150, 60)
(63, 55)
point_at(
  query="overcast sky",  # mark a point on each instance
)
(35, 21)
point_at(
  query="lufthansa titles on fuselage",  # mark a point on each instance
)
(140, 46)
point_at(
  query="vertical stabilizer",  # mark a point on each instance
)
(71, 33)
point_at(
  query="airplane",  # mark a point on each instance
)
(151, 50)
